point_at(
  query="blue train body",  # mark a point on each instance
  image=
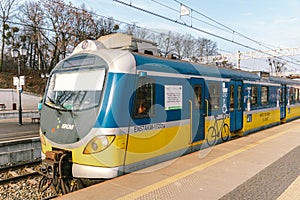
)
(136, 110)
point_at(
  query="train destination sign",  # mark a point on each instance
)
(173, 97)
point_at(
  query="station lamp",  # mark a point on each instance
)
(17, 54)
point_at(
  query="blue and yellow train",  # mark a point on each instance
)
(109, 111)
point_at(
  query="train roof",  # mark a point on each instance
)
(284, 80)
(151, 63)
(164, 65)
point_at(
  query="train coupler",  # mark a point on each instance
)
(57, 163)
(55, 169)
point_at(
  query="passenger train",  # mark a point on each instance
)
(112, 108)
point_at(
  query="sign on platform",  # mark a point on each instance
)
(16, 81)
(22, 80)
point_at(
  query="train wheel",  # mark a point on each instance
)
(225, 134)
(212, 136)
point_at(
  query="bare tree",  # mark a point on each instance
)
(185, 46)
(164, 42)
(53, 28)
(204, 47)
(178, 43)
(133, 29)
(7, 8)
(33, 17)
(59, 17)
(188, 46)
(83, 25)
(104, 26)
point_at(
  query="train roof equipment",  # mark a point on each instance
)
(118, 41)
(141, 46)
(128, 42)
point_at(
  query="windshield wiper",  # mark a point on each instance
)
(54, 103)
(58, 109)
(65, 96)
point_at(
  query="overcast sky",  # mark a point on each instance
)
(275, 23)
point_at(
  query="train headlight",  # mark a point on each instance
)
(99, 143)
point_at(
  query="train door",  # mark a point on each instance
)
(197, 109)
(236, 105)
(282, 101)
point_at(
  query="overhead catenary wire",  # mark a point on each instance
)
(178, 12)
(222, 28)
(90, 12)
(102, 16)
(200, 30)
(223, 25)
(183, 24)
(234, 32)
(122, 22)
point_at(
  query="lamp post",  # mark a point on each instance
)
(17, 53)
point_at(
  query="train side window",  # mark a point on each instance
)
(292, 93)
(231, 98)
(254, 96)
(282, 96)
(144, 100)
(214, 95)
(264, 95)
(296, 94)
(198, 96)
(240, 98)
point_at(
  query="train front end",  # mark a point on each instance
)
(75, 145)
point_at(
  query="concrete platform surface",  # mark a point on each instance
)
(259, 166)
(11, 130)
(19, 143)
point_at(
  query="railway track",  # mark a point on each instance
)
(21, 181)
(19, 172)
(18, 177)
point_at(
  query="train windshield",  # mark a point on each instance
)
(75, 90)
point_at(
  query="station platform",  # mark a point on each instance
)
(11, 130)
(19, 143)
(262, 165)
(11, 114)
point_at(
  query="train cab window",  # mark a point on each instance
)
(198, 96)
(231, 98)
(264, 95)
(144, 100)
(240, 98)
(214, 95)
(254, 96)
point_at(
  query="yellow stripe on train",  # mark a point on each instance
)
(153, 143)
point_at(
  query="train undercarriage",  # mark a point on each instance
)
(56, 171)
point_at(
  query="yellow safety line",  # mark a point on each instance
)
(292, 192)
(172, 179)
